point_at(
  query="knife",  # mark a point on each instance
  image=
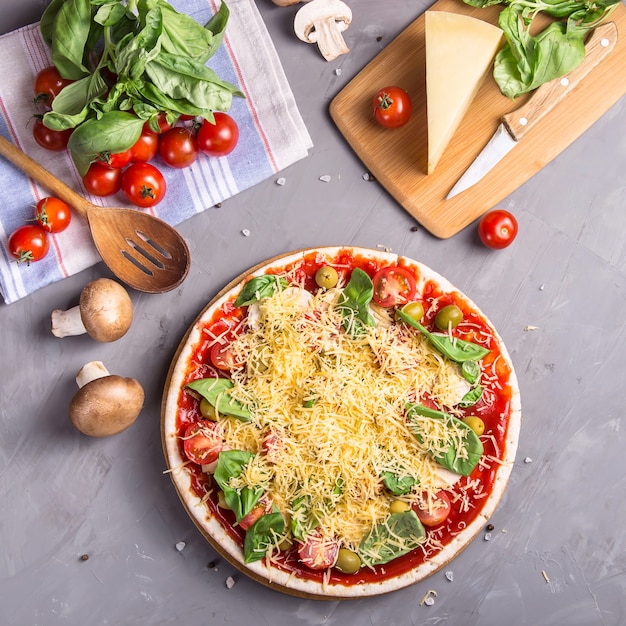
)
(515, 125)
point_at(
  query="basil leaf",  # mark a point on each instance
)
(381, 545)
(396, 484)
(230, 464)
(259, 288)
(182, 34)
(216, 392)
(455, 349)
(353, 303)
(46, 24)
(470, 370)
(471, 397)
(69, 36)
(302, 521)
(217, 26)
(260, 536)
(451, 459)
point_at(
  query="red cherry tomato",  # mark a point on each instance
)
(437, 512)
(178, 147)
(50, 139)
(118, 160)
(497, 229)
(318, 552)
(102, 180)
(146, 147)
(29, 243)
(48, 84)
(393, 286)
(223, 357)
(202, 442)
(218, 139)
(392, 107)
(158, 123)
(258, 511)
(53, 215)
(143, 184)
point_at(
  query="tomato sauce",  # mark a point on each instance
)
(495, 415)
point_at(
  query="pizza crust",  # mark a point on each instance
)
(213, 530)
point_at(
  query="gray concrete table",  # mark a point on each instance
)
(64, 495)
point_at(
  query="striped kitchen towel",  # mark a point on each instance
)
(272, 137)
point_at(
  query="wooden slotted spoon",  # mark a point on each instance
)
(140, 249)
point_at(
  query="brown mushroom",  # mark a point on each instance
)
(322, 22)
(105, 404)
(105, 312)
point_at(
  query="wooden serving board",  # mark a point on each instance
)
(397, 157)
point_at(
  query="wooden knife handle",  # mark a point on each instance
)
(547, 96)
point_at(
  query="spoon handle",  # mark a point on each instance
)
(45, 178)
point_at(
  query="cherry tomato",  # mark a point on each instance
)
(50, 139)
(158, 123)
(102, 180)
(53, 215)
(437, 512)
(218, 139)
(146, 147)
(258, 510)
(392, 107)
(223, 357)
(143, 184)
(118, 160)
(48, 84)
(178, 147)
(29, 243)
(393, 286)
(318, 552)
(202, 442)
(497, 229)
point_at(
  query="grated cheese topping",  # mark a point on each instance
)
(328, 411)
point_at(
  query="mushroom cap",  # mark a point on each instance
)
(106, 309)
(106, 406)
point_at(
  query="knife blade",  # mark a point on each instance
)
(513, 126)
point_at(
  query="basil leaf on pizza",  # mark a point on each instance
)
(339, 465)
(399, 534)
(451, 442)
(259, 288)
(217, 392)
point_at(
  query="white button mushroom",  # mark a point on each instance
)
(105, 312)
(105, 404)
(322, 22)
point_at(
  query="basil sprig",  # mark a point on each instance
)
(230, 464)
(381, 544)
(529, 60)
(157, 55)
(451, 458)
(216, 392)
(455, 349)
(259, 288)
(353, 303)
(396, 484)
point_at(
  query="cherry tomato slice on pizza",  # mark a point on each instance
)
(437, 512)
(258, 511)
(202, 442)
(393, 286)
(318, 552)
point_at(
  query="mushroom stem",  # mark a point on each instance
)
(91, 371)
(329, 39)
(67, 323)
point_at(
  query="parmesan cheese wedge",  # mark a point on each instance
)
(459, 53)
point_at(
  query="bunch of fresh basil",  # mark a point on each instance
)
(130, 61)
(530, 60)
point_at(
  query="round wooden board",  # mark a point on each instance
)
(213, 530)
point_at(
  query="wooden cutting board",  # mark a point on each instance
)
(397, 157)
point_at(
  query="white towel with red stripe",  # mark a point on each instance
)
(272, 137)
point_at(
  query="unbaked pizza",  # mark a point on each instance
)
(340, 422)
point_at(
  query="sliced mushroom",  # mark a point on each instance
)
(105, 404)
(322, 22)
(105, 312)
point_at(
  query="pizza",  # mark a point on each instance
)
(340, 422)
